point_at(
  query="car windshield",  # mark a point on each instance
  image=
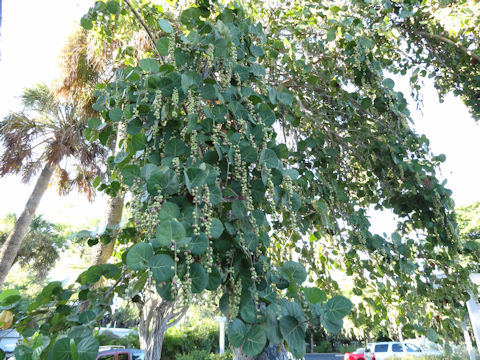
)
(359, 351)
(138, 356)
(412, 348)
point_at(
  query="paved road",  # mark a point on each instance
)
(324, 357)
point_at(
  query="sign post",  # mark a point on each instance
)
(221, 322)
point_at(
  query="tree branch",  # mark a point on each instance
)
(139, 18)
(448, 41)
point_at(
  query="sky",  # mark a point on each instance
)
(33, 33)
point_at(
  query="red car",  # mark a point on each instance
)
(358, 354)
(121, 354)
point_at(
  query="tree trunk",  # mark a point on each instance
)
(272, 352)
(11, 246)
(156, 316)
(103, 252)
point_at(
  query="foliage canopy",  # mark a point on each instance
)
(251, 149)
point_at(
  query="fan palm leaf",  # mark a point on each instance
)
(46, 132)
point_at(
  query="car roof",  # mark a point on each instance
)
(115, 351)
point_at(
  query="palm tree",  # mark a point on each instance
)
(82, 66)
(46, 133)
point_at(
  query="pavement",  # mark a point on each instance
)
(324, 356)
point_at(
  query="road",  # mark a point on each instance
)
(324, 357)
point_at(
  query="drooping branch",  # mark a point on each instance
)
(139, 18)
(450, 42)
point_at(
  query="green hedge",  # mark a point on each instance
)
(194, 337)
(204, 355)
(129, 341)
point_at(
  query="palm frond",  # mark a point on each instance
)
(78, 72)
(30, 169)
(38, 98)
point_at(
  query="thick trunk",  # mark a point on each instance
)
(156, 316)
(10, 248)
(103, 252)
(272, 352)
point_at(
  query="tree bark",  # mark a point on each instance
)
(271, 352)
(114, 210)
(156, 317)
(103, 252)
(10, 248)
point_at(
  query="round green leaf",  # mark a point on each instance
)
(134, 126)
(251, 240)
(258, 190)
(86, 316)
(165, 291)
(214, 279)
(61, 350)
(338, 307)
(314, 295)
(162, 46)
(168, 211)
(139, 141)
(216, 228)
(294, 271)
(294, 333)
(333, 326)
(256, 51)
(236, 332)
(248, 312)
(199, 244)
(94, 123)
(194, 177)
(163, 180)
(239, 209)
(175, 147)
(113, 6)
(269, 158)
(139, 255)
(9, 296)
(115, 114)
(272, 329)
(165, 26)
(388, 83)
(86, 23)
(249, 154)
(169, 231)
(215, 195)
(162, 267)
(87, 348)
(254, 341)
(199, 278)
(23, 352)
(130, 173)
(149, 65)
(94, 273)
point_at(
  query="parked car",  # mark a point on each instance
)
(358, 354)
(121, 354)
(383, 350)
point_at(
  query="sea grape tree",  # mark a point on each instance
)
(248, 150)
(202, 160)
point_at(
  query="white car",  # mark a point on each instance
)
(384, 350)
